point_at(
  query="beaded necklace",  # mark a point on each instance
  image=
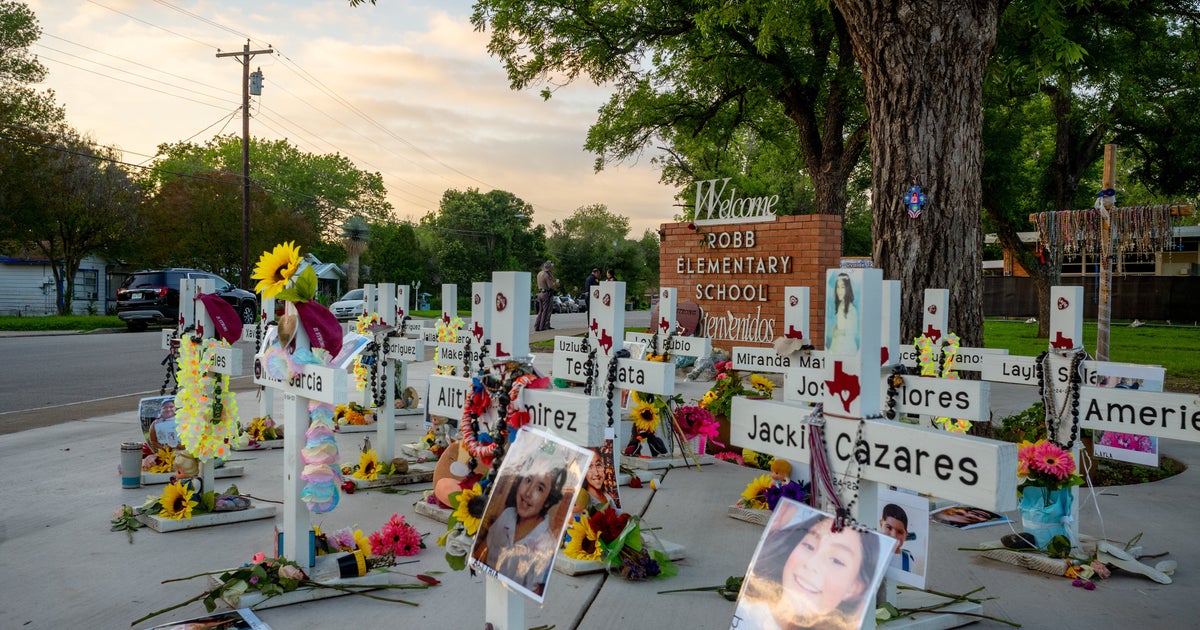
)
(1054, 417)
(822, 476)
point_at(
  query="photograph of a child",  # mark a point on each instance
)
(1128, 447)
(905, 517)
(803, 575)
(528, 510)
(967, 517)
(600, 481)
(841, 312)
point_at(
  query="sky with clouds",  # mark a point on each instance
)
(405, 88)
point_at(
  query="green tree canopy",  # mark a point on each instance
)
(473, 234)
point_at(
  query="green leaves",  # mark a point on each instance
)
(303, 288)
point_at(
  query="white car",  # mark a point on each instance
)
(351, 306)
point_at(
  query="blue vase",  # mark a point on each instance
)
(1044, 514)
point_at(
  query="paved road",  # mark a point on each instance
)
(54, 378)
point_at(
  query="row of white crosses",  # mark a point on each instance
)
(850, 386)
(391, 302)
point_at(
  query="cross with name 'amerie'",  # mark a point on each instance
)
(863, 449)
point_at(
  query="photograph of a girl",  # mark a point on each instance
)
(527, 511)
(804, 575)
(600, 481)
(841, 315)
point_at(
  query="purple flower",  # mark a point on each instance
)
(254, 579)
(795, 490)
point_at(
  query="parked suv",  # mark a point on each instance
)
(152, 297)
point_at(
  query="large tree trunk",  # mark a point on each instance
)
(923, 65)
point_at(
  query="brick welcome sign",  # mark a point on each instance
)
(737, 272)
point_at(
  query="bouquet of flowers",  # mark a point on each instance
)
(467, 505)
(694, 420)
(729, 383)
(353, 414)
(263, 429)
(1046, 465)
(615, 539)
(763, 493)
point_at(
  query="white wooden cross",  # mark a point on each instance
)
(448, 393)
(315, 382)
(963, 468)
(1138, 412)
(604, 336)
(668, 300)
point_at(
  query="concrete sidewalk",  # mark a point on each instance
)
(61, 567)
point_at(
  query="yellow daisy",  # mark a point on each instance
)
(275, 268)
(755, 494)
(176, 501)
(463, 511)
(584, 543)
(645, 417)
(368, 466)
(709, 397)
(762, 384)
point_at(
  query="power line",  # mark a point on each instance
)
(161, 28)
(204, 19)
(140, 76)
(186, 98)
(136, 63)
(227, 119)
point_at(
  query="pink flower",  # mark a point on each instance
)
(259, 557)
(1101, 569)
(1052, 460)
(733, 458)
(291, 572)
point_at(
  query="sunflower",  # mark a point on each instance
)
(368, 466)
(275, 268)
(754, 496)
(363, 542)
(583, 543)
(762, 384)
(462, 511)
(165, 461)
(176, 501)
(645, 417)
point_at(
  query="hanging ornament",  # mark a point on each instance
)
(914, 199)
(1106, 198)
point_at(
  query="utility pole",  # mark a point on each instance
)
(245, 57)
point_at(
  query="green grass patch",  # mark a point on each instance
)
(60, 322)
(1174, 348)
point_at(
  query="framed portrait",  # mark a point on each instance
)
(804, 575)
(968, 517)
(528, 510)
(1128, 447)
(842, 322)
(905, 517)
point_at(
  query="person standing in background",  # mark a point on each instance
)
(592, 280)
(546, 283)
(609, 276)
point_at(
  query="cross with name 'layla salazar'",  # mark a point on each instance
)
(848, 442)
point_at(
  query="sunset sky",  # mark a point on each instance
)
(405, 88)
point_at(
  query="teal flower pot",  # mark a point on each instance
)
(1045, 514)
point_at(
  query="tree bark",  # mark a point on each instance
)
(923, 66)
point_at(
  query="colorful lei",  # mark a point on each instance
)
(320, 454)
(206, 409)
(929, 367)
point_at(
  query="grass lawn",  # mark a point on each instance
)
(1176, 348)
(60, 322)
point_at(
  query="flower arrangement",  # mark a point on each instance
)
(369, 468)
(1046, 465)
(272, 577)
(180, 501)
(729, 383)
(467, 507)
(162, 461)
(353, 414)
(647, 415)
(604, 535)
(395, 539)
(262, 429)
(341, 540)
(697, 421)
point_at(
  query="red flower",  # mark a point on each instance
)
(608, 524)
(635, 482)
(348, 487)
